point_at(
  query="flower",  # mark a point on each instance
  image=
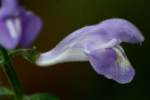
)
(100, 45)
(17, 26)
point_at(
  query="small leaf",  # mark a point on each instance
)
(1, 58)
(5, 91)
(40, 96)
(29, 54)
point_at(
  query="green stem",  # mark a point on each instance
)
(11, 74)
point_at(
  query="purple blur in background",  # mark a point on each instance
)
(17, 25)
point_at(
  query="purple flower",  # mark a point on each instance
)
(17, 26)
(100, 45)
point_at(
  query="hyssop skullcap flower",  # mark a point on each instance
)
(100, 45)
(17, 26)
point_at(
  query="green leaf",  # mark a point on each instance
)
(40, 96)
(1, 58)
(6, 91)
(29, 54)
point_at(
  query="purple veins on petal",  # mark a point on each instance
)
(112, 63)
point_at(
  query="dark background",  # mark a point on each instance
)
(78, 81)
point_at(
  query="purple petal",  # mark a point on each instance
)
(9, 33)
(9, 8)
(112, 29)
(31, 25)
(121, 29)
(113, 64)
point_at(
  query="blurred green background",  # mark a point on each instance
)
(78, 81)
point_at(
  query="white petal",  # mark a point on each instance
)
(69, 55)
